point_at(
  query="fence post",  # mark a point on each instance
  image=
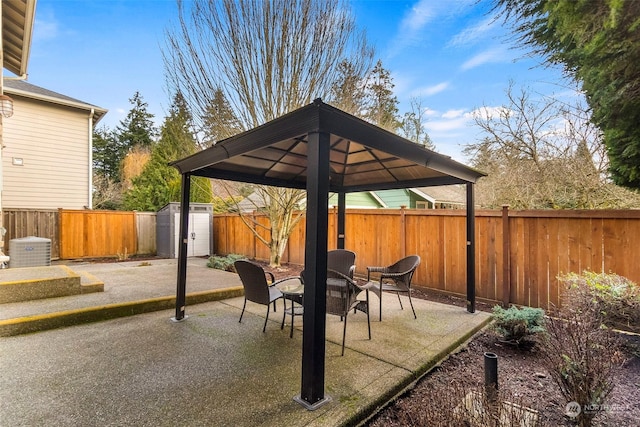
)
(403, 234)
(61, 238)
(506, 257)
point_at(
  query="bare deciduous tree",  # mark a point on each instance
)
(413, 127)
(542, 153)
(266, 58)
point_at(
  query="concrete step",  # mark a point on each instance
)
(33, 283)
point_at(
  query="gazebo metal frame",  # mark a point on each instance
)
(321, 149)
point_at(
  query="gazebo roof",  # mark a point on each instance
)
(362, 156)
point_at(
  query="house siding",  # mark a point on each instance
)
(53, 143)
(395, 198)
(356, 200)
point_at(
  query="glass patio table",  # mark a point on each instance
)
(293, 291)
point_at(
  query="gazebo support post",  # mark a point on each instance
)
(471, 249)
(181, 289)
(315, 265)
(342, 204)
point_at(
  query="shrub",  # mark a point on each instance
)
(224, 262)
(580, 353)
(516, 325)
(617, 297)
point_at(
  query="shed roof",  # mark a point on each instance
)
(362, 156)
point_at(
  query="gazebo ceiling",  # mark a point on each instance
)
(362, 156)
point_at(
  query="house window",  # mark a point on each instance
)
(422, 205)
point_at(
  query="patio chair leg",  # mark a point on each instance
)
(264, 328)
(344, 334)
(380, 298)
(368, 321)
(399, 300)
(243, 307)
(411, 302)
(293, 316)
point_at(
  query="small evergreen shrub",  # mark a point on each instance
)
(516, 325)
(617, 297)
(224, 262)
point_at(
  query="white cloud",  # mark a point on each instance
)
(451, 120)
(417, 17)
(428, 112)
(432, 90)
(494, 55)
(412, 26)
(453, 114)
(446, 125)
(487, 113)
(474, 34)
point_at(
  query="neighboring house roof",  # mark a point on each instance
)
(28, 90)
(448, 194)
(436, 195)
(251, 203)
(17, 28)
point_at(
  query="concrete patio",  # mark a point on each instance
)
(212, 370)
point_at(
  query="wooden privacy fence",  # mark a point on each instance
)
(31, 222)
(97, 233)
(84, 233)
(519, 254)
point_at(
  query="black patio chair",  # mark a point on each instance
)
(343, 261)
(256, 287)
(342, 297)
(396, 277)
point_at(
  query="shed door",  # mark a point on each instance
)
(198, 234)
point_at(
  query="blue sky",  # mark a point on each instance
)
(450, 54)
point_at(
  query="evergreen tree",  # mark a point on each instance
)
(348, 92)
(159, 183)
(137, 128)
(219, 120)
(108, 152)
(382, 104)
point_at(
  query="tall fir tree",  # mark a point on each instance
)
(219, 121)
(108, 152)
(159, 183)
(137, 129)
(348, 92)
(382, 104)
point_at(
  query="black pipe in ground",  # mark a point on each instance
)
(491, 376)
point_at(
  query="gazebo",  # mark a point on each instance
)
(321, 149)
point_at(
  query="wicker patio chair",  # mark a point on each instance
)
(343, 261)
(342, 297)
(256, 287)
(396, 277)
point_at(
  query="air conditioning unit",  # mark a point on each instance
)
(29, 252)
